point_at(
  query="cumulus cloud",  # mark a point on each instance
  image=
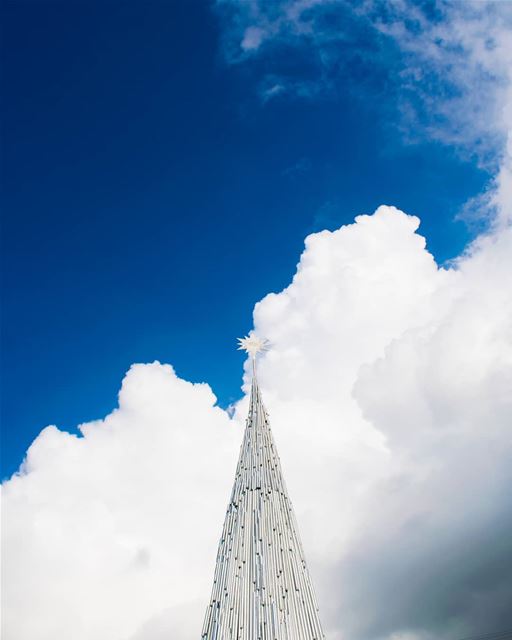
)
(407, 372)
(105, 531)
(388, 387)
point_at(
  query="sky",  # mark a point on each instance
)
(148, 185)
(337, 176)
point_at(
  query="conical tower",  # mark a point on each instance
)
(262, 589)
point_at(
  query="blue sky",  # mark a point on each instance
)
(153, 192)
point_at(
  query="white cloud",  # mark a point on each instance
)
(457, 73)
(388, 386)
(104, 531)
(451, 81)
(403, 372)
(252, 39)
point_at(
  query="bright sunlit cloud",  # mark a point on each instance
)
(388, 390)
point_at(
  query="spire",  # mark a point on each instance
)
(252, 345)
(261, 589)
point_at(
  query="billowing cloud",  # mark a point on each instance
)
(104, 532)
(393, 378)
(388, 387)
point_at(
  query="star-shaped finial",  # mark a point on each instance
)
(252, 344)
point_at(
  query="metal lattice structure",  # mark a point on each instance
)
(262, 589)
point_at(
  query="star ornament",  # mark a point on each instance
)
(252, 344)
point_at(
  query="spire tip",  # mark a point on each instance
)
(252, 344)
